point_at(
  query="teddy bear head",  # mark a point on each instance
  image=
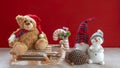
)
(27, 22)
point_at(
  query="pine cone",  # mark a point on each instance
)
(77, 57)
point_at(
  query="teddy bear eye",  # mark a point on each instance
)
(30, 21)
(25, 21)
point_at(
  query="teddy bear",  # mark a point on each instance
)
(83, 36)
(28, 36)
(96, 51)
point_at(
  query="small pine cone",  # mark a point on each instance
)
(77, 57)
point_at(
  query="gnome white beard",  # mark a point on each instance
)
(84, 47)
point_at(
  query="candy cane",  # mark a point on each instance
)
(64, 41)
(56, 33)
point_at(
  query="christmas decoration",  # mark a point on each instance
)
(96, 51)
(82, 36)
(77, 57)
(62, 34)
(28, 36)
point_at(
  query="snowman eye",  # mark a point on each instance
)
(98, 38)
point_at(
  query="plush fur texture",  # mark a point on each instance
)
(96, 51)
(28, 40)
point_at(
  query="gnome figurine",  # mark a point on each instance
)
(82, 36)
(96, 51)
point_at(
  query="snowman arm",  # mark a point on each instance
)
(91, 49)
(101, 49)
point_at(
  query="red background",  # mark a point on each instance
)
(58, 13)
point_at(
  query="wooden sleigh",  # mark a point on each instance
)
(53, 54)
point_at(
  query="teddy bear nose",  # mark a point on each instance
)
(27, 23)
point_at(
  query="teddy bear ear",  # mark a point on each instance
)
(19, 18)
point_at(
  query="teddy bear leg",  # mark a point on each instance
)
(41, 44)
(90, 61)
(13, 59)
(102, 63)
(18, 49)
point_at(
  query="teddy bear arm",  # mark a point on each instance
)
(12, 37)
(11, 44)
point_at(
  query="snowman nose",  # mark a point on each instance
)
(96, 40)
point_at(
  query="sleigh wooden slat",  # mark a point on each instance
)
(31, 58)
(51, 55)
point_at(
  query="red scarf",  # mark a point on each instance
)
(21, 32)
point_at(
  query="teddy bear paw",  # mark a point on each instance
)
(11, 38)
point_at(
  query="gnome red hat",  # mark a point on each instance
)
(82, 34)
(37, 20)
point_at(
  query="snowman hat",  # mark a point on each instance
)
(36, 19)
(82, 34)
(99, 33)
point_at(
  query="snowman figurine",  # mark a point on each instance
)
(96, 51)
